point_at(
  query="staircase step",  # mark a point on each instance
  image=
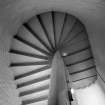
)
(75, 48)
(34, 76)
(35, 100)
(83, 74)
(80, 37)
(33, 81)
(75, 31)
(20, 70)
(27, 35)
(35, 95)
(31, 45)
(37, 37)
(77, 57)
(34, 86)
(32, 72)
(35, 25)
(18, 45)
(28, 54)
(81, 66)
(46, 22)
(59, 21)
(69, 25)
(29, 63)
(44, 102)
(34, 90)
(21, 58)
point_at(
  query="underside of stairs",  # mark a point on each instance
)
(34, 47)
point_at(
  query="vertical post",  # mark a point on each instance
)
(58, 87)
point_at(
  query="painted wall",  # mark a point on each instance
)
(8, 92)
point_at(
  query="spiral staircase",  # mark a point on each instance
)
(34, 47)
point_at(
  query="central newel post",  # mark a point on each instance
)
(58, 86)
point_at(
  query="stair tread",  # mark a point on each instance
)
(33, 81)
(47, 22)
(29, 63)
(27, 35)
(37, 28)
(31, 72)
(34, 98)
(58, 25)
(75, 31)
(75, 48)
(81, 66)
(19, 70)
(44, 102)
(21, 58)
(77, 57)
(78, 38)
(18, 45)
(34, 86)
(68, 25)
(13, 51)
(31, 45)
(34, 76)
(34, 90)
